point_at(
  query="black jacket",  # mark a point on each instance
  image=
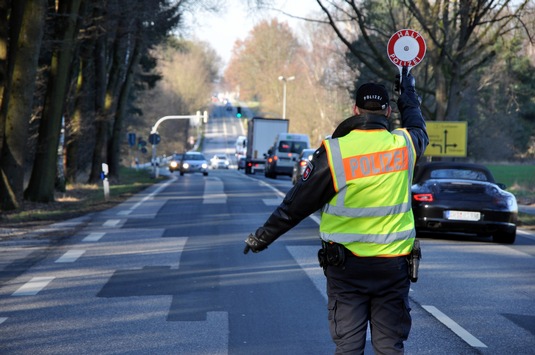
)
(311, 194)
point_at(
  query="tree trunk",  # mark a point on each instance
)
(17, 110)
(116, 79)
(81, 133)
(42, 181)
(101, 128)
(117, 133)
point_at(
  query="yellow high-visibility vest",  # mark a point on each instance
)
(371, 213)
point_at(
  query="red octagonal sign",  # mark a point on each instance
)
(406, 48)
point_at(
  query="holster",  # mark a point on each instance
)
(331, 254)
(414, 261)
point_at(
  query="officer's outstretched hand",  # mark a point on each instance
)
(407, 81)
(254, 244)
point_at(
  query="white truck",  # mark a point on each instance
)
(261, 133)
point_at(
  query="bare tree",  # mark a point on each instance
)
(271, 50)
(460, 36)
(188, 72)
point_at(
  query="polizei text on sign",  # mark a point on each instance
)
(406, 48)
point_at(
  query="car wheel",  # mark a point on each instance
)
(505, 237)
(205, 174)
(181, 173)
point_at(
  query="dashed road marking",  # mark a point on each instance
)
(2, 319)
(33, 287)
(111, 223)
(70, 256)
(456, 328)
(272, 201)
(137, 204)
(214, 192)
(93, 237)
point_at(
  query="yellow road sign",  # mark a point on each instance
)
(446, 139)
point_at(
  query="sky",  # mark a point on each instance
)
(235, 22)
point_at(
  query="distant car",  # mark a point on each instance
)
(241, 163)
(452, 197)
(301, 163)
(219, 161)
(174, 163)
(193, 162)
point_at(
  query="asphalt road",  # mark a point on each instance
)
(164, 273)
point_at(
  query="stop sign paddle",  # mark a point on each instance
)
(406, 48)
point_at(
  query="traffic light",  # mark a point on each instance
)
(238, 111)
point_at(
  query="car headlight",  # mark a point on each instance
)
(173, 164)
(185, 166)
(204, 165)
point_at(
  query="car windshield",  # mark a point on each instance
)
(193, 157)
(463, 174)
(292, 146)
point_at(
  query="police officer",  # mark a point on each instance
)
(360, 178)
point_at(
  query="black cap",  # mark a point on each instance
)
(373, 97)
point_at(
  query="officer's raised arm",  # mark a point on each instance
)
(411, 115)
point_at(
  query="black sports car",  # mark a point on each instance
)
(451, 197)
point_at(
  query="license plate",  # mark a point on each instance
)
(462, 215)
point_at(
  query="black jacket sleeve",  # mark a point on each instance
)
(413, 120)
(306, 197)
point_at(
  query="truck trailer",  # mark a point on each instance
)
(261, 133)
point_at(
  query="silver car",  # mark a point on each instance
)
(193, 162)
(220, 161)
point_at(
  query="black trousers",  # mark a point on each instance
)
(374, 290)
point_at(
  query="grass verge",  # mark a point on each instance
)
(78, 200)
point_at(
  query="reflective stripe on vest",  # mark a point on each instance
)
(357, 218)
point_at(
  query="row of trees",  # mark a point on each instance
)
(478, 67)
(94, 68)
(74, 63)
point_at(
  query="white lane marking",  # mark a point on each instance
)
(111, 222)
(2, 319)
(272, 201)
(306, 257)
(456, 328)
(70, 256)
(214, 192)
(93, 237)
(181, 243)
(32, 287)
(276, 202)
(137, 204)
(277, 192)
